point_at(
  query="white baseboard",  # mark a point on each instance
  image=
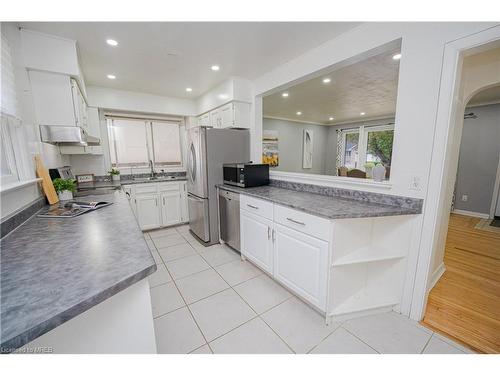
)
(436, 275)
(471, 213)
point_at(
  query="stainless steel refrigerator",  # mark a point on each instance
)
(208, 150)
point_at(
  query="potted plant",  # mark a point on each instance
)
(64, 188)
(369, 169)
(115, 174)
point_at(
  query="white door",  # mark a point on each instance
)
(215, 119)
(227, 115)
(256, 240)
(148, 211)
(171, 208)
(301, 263)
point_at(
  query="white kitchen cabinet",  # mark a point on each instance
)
(256, 240)
(171, 208)
(147, 210)
(159, 204)
(301, 263)
(215, 118)
(204, 120)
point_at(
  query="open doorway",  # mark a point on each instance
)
(464, 302)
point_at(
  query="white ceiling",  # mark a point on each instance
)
(166, 57)
(368, 86)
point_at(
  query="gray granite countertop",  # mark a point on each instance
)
(54, 269)
(322, 205)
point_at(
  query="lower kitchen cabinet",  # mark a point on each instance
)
(301, 263)
(158, 205)
(148, 214)
(256, 239)
(170, 208)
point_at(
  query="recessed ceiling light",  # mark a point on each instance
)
(189, 89)
(285, 95)
(111, 76)
(397, 56)
(331, 118)
(223, 96)
(112, 42)
(326, 80)
(298, 113)
(362, 113)
(215, 68)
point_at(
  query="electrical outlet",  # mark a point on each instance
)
(465, 197)
(415, 183)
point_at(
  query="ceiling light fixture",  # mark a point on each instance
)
(189, 89)
(285, 95)
(215, 68)
(362, 113)
(223, 96)
(298, 113)
(326, 80)
(331, 118)
(397, 56)
(111, 76)
(112, 42)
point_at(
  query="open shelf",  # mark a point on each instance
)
(361, 302)
(368, 254)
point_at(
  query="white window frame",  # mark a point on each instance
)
(140, 167)
(363, 130)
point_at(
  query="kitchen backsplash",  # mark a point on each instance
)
(125, 177)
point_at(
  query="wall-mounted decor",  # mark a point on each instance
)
(270, 150)
(307, 157)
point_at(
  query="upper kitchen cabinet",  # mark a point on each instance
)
(58, 100)
(230, 115)
(49, 53)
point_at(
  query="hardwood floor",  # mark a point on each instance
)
(465, 303)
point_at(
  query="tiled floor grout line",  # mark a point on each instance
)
(427, 343)
(315, 346)
(360, 339)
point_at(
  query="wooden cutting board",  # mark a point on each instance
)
(47, 185)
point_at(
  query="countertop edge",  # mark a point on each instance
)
(407, 211)
(32, 333)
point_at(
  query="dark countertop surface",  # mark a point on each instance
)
(117, 184)
(53, 269)
(322, 205)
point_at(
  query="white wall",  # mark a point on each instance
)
(14, 200)
(132, 101)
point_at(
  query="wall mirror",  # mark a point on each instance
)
(340, 122)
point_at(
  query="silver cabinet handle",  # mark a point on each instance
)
(156, 201)
(268, 233)
(254, 207)
(295, 221)
(274, 235)
(164, 201)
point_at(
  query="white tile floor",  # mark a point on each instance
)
(206, 300)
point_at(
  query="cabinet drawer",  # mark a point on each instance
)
(306, 223)
(169, 186)
(145, 188)
(257, 206)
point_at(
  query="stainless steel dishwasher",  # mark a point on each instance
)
(229, 216)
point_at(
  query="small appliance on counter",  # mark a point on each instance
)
(246, 174)
(61, 172)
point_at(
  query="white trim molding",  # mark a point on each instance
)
(436, 275)
(18, 185)
(471, 213)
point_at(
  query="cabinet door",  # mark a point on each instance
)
(256, 241)
(227, 116)
(184, 204)
(171, 208)
(301, 263)
(148, 211)
(215, 118)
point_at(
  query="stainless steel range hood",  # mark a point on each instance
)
(67, 136)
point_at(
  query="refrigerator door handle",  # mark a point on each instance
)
(192, 163)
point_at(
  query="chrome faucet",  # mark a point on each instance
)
(151, 166)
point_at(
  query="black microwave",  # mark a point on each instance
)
(246, 175)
